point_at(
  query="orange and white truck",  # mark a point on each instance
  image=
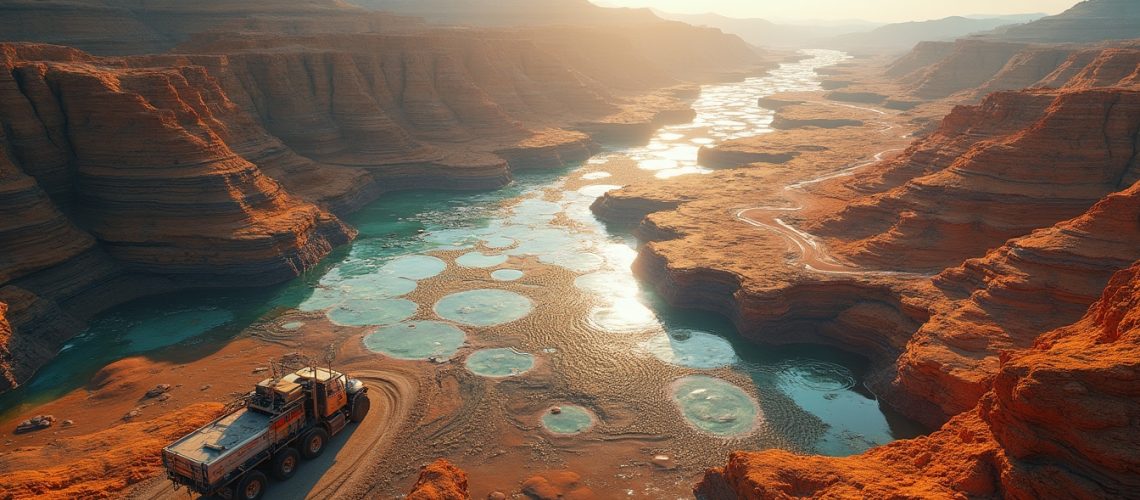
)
(282, 421)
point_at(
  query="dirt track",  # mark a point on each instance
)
(813, 255)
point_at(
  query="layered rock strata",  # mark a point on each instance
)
(1003, 302)
(168, 194)
(970, 65)
(971, 69)
(142, 194)
(1017, 162)
(1058, 421)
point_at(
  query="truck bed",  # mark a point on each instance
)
(221, 437)
(206, 457)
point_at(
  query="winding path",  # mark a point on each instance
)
(813, 254)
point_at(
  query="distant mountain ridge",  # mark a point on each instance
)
(1088, 21)
(859, 38)
(509, 12)
(903, 36)
(765, 33)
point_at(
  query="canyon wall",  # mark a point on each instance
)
(970, 69)
(1058, 421)
(1005, 300)
(140, 194)
(122, 27)
(225, 161)
(1017, 162)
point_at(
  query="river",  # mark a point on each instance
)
(528, 300)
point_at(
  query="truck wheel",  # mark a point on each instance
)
(360, 408)
(285, 463)
(252, 486)
(313, 443)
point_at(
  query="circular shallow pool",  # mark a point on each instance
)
(485, 307)
(416, 340)
(567, 420)
(692, 349)
(715, 406)
(498, 363)
(376, 312)
(507, 274)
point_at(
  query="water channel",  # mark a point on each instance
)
(523, 283)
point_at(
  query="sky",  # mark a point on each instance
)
(871, 10)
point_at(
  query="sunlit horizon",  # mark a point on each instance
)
(841, 10)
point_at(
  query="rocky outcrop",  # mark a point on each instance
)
(864, 316)
(1025, 69)
(957, 461)
(440, 480)
(730, 155)
(970, 65)
(1059, 421)
(557, 485)
(857, 97)
(793, 117)
(1017, 162)
(1065, 411)
(1091, 68)
(1003, 301)
(813, 129)
(547, 148)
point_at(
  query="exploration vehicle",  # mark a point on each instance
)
(283, 420)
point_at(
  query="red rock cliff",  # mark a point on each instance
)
(118, 183)
(1058, 422)
(970, 69)
(1003, 301)
(1017, 162)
